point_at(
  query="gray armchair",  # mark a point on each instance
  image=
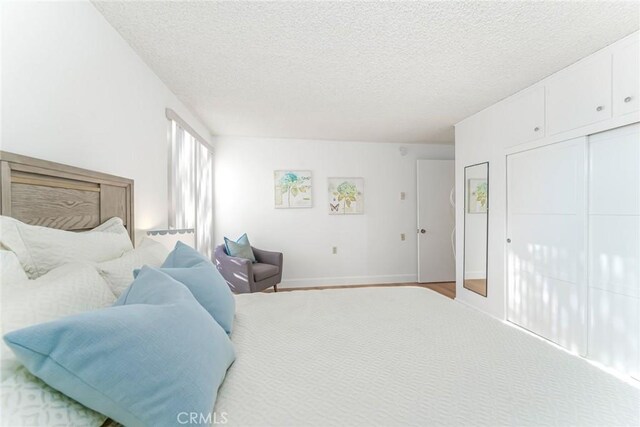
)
(243, 276)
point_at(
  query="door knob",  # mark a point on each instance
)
(422, 231)
(600, 108)
(627, 99)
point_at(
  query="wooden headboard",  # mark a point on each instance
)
(53, 195)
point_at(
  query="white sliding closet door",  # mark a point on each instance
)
(546, 211)
(614, 248)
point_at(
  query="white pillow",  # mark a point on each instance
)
(10, 269)
(112, 225)
(27, 401)
(119, 272)
(66, 290)
(41, 249)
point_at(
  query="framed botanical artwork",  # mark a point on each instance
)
(292, 189)
(477, 195)
(346, 196)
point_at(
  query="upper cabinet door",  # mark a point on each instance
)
(524, 116)
(580, 95)
(626, 77)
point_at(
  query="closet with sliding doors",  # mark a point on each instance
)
(573, 261)
(563, 210)
(573, 212)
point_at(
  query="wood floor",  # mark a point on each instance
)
(448, 289)
(476, 285)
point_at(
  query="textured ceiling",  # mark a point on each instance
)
(367, 71)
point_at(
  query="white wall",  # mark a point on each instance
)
(476, 143)
(74, 92)
(369, 245)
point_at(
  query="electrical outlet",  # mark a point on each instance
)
(402, 237)
(334, 250)
(402, 196)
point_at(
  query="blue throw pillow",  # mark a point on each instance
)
(143, 363)
(241, 248)
(184, 256)
(209, 288)
(206, 283)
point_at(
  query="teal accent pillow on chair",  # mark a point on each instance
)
(241, 248)
(155, 355)
(202, 278)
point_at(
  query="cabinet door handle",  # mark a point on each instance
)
(536, 129)
(599, 108)
(627, 99)
(508, 240)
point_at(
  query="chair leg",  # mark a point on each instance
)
(275, 288)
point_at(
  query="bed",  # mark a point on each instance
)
(366, 356)
(404, 356)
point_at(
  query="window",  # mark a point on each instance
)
(191, 183)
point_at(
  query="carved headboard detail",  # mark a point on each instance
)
(54, 195)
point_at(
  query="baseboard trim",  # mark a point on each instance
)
(348, 280)
(475, 275)
(472, 306)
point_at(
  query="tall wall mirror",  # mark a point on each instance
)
(476, 227)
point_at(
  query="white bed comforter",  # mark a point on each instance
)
(404, 356)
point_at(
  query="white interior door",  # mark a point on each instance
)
(436, 221)
(546, 210)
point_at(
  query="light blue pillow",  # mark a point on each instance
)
(184, 256)
(209, 288)
(142, 363)
(241, 248)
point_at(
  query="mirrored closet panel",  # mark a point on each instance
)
(476, 227)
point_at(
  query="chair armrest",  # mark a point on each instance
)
(237, 272)
(231, 264)
(267, 257)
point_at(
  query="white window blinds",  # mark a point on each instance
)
(191, 186)
(204, 200)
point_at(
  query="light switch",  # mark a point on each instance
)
(402, 195)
